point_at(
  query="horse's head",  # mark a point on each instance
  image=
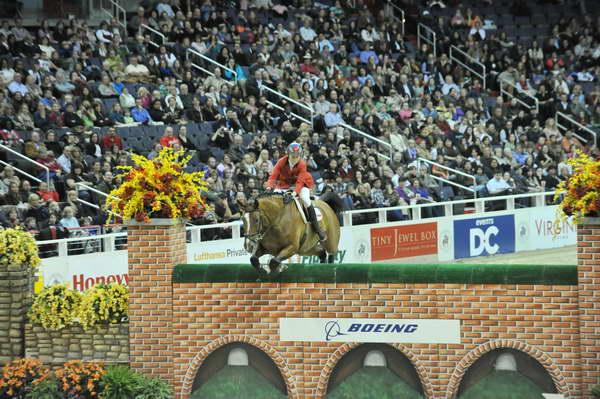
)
(253, 225)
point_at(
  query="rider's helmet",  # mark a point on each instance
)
(295, 149)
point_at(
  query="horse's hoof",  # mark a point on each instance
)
(264, 269)
(281, 268)
(274, 264)
(255, 262)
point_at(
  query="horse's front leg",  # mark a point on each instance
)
(287, 252)
(254, 258)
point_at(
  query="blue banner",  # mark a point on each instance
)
(484, 236)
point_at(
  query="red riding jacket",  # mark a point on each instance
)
(283, 176)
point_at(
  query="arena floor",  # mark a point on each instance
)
(556, 256)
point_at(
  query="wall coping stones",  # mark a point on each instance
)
(382, 273)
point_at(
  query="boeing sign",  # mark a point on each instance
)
(426, 331)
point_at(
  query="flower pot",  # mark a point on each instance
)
(157, 222)
(591, 220)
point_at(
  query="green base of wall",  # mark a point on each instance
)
(382, 273)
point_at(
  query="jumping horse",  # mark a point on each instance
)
(273, 225)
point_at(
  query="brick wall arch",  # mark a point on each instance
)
(196, 362)
(342, 350)
(546, 361)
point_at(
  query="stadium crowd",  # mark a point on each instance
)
(67, 91)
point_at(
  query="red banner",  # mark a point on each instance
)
(403, 241)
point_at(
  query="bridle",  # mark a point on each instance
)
(263, 228)
(261, 231)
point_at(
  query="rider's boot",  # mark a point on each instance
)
(312, 218)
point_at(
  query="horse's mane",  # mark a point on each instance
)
(268, 194)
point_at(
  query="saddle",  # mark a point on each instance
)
(302, 211)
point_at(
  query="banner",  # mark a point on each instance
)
(539, 228)
(82, 272)
(484, 236)
(404, 241)
(421, 331)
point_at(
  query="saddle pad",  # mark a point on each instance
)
(303, 213)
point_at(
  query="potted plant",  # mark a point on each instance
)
(580, 193)
(19, 249)
(158, 188)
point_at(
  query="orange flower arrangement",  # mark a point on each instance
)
(80, 380)
(159, 188)
(19, 375)
(581, 191)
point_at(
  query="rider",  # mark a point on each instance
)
(290, 170)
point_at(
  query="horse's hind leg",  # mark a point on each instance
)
(285, 253)
(330, 258)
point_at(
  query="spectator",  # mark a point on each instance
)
(110, 139)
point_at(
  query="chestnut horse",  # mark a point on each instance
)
(273, 225)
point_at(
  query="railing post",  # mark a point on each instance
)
(347, 219)
(480, 206)
(382, 216)
(235, 231)
(448, 210)
(510, 203)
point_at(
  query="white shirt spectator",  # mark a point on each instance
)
(322, 107)
(481, 32)
(65, 163)
(496, 184)
(14, 87)
(332, 119)
(369, 35)
(166, 8)
(308, 34)
(104, 36)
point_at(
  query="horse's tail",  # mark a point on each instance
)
(335, 202)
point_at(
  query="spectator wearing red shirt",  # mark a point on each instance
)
(47, 159)
(111, 139)
(46, 194)
(167, 140)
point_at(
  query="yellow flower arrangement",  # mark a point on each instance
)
(103, 303)
(159, 188)
(56, 307)
(18, 247)
(19, 375)
(580, 193)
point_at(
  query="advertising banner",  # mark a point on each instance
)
(81, 272)
(484, 236)
(404, 241)
(422, 331)
(539, 228)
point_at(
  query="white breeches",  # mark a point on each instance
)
(304, 194)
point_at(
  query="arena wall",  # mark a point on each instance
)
(528, 308)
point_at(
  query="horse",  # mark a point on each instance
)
(273, 225)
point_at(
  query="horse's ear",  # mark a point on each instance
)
(250, 205)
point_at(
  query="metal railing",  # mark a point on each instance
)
(118, 241)
(576, 127)
(190, 53)
(372, 138)
(466, 61)
(116, 11)
(538, 200)
(451, 171)
(391, 10)
(427, 35)
(39, 165)
(535, 104)
(302, 105)
(163, 38)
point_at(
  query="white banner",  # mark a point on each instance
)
(84, 271)
(539, 228)
(423, 331)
